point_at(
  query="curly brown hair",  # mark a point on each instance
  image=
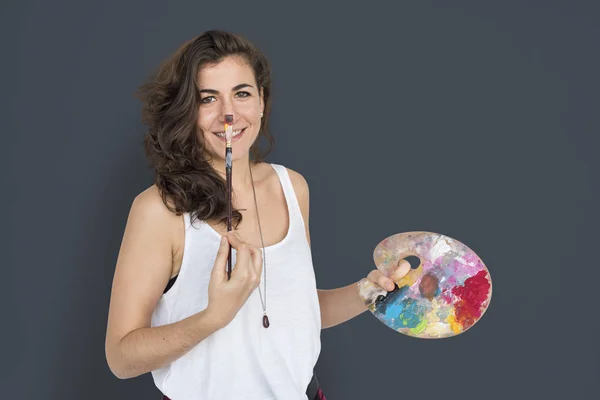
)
(171, 99)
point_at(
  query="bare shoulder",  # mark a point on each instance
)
(151, 200)
(150, 203)
(149, 210)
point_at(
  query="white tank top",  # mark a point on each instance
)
(244, 360)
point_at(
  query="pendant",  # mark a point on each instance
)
(266, 321)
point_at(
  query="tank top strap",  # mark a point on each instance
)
(296, 219)
(196, 224)
(187, 220)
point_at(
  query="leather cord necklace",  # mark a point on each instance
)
(265, 319)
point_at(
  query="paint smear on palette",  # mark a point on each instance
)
(444, 296)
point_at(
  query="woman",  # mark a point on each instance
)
(173, 311)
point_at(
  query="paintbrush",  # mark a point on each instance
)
(228, 165)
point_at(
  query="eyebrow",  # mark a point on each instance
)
(213, 91)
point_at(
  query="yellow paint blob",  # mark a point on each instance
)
(411, 277)
(454, 324)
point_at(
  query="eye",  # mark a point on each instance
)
(208, 97)
(246, 94)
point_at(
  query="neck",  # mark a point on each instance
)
(241, 180)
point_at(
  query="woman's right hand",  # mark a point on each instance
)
(226, 297)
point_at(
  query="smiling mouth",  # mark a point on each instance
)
(235, 133)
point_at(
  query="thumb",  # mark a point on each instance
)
(401, 271)
(221, 260)
(234, 238)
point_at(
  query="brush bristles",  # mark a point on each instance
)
(228, 133)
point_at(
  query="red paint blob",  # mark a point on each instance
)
(472, 295)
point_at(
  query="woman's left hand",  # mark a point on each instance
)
(389, 284)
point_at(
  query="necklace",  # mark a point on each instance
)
(265, 319)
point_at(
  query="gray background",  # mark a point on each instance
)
(476, 121)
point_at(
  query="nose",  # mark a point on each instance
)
(227, 108)
(223, 118)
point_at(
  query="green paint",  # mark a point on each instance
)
(419, 328)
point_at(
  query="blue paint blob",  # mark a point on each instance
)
(397, 311)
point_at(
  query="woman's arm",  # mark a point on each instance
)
(142, 272)
(147, 349)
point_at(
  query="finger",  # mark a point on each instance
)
(241, 261)
(255, 261)
(257, 258)
(376, 276)
(400, 271)
(252, 277)
(221, 260)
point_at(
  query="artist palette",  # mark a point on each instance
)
(444, 296)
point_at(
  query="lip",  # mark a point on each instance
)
(234, 139)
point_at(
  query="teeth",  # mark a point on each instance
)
(235, 133)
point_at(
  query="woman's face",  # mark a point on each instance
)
(229, 88)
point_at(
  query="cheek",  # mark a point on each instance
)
(210, 141)
(206, 118)
(249, 110)
(204, 124)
